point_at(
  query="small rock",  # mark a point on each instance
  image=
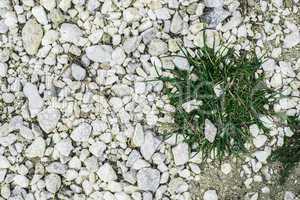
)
(181, 63)
(138, 135)
(181, 154)
(288, 195)
(210, 131)
(107, 173)
(191, 105)
(32, 34)
(64, 147)
(81, 133)
(4, 163)
(130, 44)
(35, 101)
(234, 21)
(276, 81)
(254, 130)
(121, 90)
(214, 3)
(157, 47)
(36, 149)
(210, 195)
(48, 119)
(176, 23)
(118, 56)
(287, 69)
(70, 33)
(131, 15)
(3, 69)
(52, 182)
(97, 148)
(40, 15)
(99, 53)
(78, 72)
(262, 156)
(291, 39)
(149, 146)
(226, 168)
(148, 179)
(260, 141)
(21, 181)
(177, 186)
(48, 4)
(162, 13)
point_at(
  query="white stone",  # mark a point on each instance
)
(276, 81)
(181, 63)
(96, 36)
(131, 15)
(210, 131)
(157, 47)
(21, 181)
(139, 87)
(4, 163)
(288, 195)
(234, 21)
(176, 23)
(148, 179)
(226, 168)
(262, 156)
(121, 90)
(118, 56)
(177, 186)
(214, 3)
(139, 164)
(3, 27)
(65, 5)
(70, 33)
(50, 37)
(116, 103)
(106, 173)
(64, 147)
(36, 149)
(97, 148)
(138, 135)
(162, 13)
(181, 154)
(99, 53)
(210, 195)
(291, 39)
(48, 4)
(78, 72)
(32, 34)
(286, 69)
(131, 43)
(48, 119)
(191, 105)
(81, 133)
(149, 146)
(35, 102)
(52, 182)
(40, 15)
(3, 69)
(260, 141)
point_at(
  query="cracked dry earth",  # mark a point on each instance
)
(80, 118)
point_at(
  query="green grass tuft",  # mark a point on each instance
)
(289, 154)
(243, 100)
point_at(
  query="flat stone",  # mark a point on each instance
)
(52, 182)
(99, 53)
(181, 154)
(35, 102)
(149, 146)
(40, 15)
(291, 40)
(82, 132)
(176, 23)
(121, 90)
(118, 56)
(260, 141)
(97, 148)
(181, 63)
(32, 34)
(148, 179)
(262, 156)
(48, 119)
(64, 147)
(138, 135)
(131, 15)
(226, 168)
(21, 181)
(4, 163)
(36, 149)
(210, 131)
(130, 44)
(214, 3)
(177, 186)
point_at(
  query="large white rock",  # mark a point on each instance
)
(157, 47)
(97, 148)
(70, 33)
(148, 179)
(64, 147)
(210, 195)
(121, 90)
(288, 195)
(176, 23)
(32, 34)
(107, 173)
(210, 131)
(259, 140)
(131, 43)
(21, 181)
(131, 15)
(191, 105)
(177, 186)
(181, 154)
(48, 119)
(78, 72)
(214, 3)
(36, 149)
(82, 132)
(291, 39)
(118, 56)
(99, 53)
(262, 156)
(52, 182)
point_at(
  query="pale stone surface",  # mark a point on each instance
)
(148, 179)
(48, 119)
(32, 34)
(106, 173)
(210, 195)
(181, 153)
(81, 133)
(52, 182)
(36, 149)
(210, 131)
(99, 53)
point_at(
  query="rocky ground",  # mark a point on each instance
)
(81, 114)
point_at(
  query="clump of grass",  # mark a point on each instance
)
(289, 154)
(243, 98)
